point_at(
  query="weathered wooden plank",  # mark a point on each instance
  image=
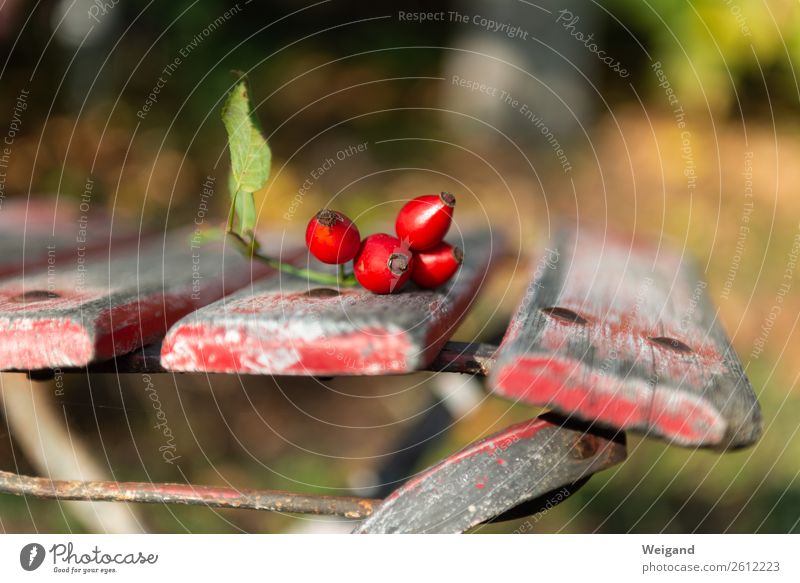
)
(536, 459)
(461, 357)
(45, 232)
(72, 315)
(285, 326)
(625, 334)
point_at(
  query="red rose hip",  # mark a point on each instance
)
(423, 221)
(383, 264)
(332, 237)
(436, 266)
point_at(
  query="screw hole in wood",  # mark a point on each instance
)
(671, 343)
(34, 296)
(565, 315)
(585, 447)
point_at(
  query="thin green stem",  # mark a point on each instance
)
(339, 278)
(310, 274)
(231, 214)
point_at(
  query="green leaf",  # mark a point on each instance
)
(245, 208)
(250, 155)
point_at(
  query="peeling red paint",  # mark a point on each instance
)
(568, 386)
(197, 347)
(25, 344)
(117, 308)
(624, 333)
(281, 327)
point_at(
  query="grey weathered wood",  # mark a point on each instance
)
(50, 233)
(538, 460)
(285, 326)
(625, 334)
(71, 316)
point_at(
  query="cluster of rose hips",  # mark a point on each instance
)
(383, 263)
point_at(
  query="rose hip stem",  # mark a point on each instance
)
(340, 278)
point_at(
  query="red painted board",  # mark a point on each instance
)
(285, 326)
(545, 458)
(76, 314)
(45, 231)
(626, 334)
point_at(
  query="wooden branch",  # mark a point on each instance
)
(517, 471)
(274, 500)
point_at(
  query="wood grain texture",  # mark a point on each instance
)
(45, 232)
(625, 334)
(537, 460)
(284, 326)
(73, 315)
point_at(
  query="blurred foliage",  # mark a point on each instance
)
(714, 50)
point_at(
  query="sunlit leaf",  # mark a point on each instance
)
(250, 156)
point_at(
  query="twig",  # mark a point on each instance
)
(337, 279)
(274, 500)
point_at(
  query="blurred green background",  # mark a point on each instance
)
(129, 96)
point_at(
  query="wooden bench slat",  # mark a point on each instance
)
(626, 335)
(532, 460)
(45, 232)
(285, 326)
(70, 316)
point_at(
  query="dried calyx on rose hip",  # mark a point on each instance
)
(332, 238)
(436, 266)
(383, 263)
(423, 222)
